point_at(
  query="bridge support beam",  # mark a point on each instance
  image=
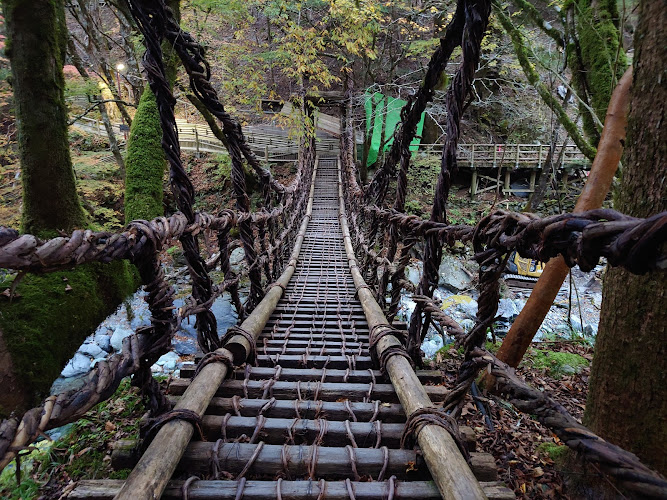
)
(154, 470)
(450, 471)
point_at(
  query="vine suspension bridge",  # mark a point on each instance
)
(317, 394)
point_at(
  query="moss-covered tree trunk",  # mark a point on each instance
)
(595, 58)
(36, 45)
(145, 162)
(627, 402)
(50, 315)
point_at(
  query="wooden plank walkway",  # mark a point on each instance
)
(313, 419)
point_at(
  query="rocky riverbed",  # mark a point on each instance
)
(575, 314)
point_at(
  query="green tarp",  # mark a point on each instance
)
(389, 109)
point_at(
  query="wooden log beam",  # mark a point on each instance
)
(595, 190)
(151, 474)
(449, 469)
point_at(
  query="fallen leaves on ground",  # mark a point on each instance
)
(514, 442)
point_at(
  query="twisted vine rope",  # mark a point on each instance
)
(582, 239)
(142, 241)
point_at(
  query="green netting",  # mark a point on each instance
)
(386, 108)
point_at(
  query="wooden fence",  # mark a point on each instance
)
(275, 145)
(510, 158)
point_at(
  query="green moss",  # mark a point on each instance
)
(601, 63)
(555, 363)
(520, 45)
(555, 452)
(53, 313)
(145, 162)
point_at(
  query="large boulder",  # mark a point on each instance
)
(452, 274)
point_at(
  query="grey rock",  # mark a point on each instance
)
(95, 361)
(118, 335)
(413, 273)
(103, 340)
(237, 259)
(467, 324)
(78, 365)
(507, 309)
(469, 309)
(224, 312)
(62, 384)
(58, 432)
(91, 350)
(568, 370)
(452, 274)
(184, 347)
(168, 361)
(237, 256)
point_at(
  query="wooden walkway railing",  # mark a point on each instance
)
(481, 159)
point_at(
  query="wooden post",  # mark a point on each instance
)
(533, 175)
(539, 158)
(473, 183)
(518, 152)
(507, 182)
(196, 143)
(495, 155)
(450, 471)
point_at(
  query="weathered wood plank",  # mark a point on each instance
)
(298, 461)
(310, 390)
(292, 490)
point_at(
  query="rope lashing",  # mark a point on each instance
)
(153, 425)
(377, 333)
(431, 416)
(220, 355)
(237, 330)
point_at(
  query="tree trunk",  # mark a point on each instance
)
(113, 143)
(595, 57)
(145, 162)
(50, 315)
(36, 45)
(627, 401)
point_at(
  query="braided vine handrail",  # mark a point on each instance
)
(384, 239)
(267, 236)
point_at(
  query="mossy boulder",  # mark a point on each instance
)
(48, 318)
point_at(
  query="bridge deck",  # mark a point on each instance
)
(312, 411)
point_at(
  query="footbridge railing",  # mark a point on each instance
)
(321, 255)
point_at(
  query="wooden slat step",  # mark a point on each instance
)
(298, 461)
(313, 361)
(314, 374)
(292, 490)
(310, 390)
(334, 433)
(333, 410)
